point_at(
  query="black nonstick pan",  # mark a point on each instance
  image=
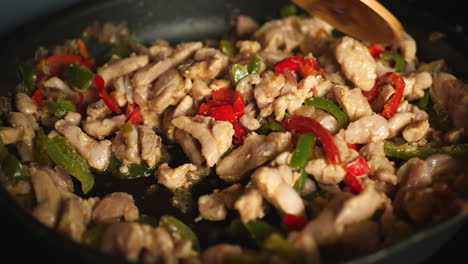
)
(181, 20)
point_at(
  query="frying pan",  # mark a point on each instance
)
(181, 20)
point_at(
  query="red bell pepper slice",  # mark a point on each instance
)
(302, 124)
(223, 113)
(353, 183)
(372, 94)
(38, 95)
(291, 63)
(294, 222)
(353, 146)
(399, 84)
(134, 114)
(224, 94)
(375, 49)
(58, 62)
(310, 67)
(109, 100)
(357, 166)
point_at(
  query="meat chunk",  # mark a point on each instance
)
(122, 67)
(246, 86)
(174, 178)
(75, 216)
(279, 35)
(213, 206)
(190, 146)
(450, 95)
(324, 172)
(215, 137)
(408, 47)
(11, 135)
(415, 84)
(272, 186)
(160, 49)
(209, 63)
(24, 104)
(244, 25)
(123, 90)
(380, 167)
(324, 118)
(150, 145)
(96, 153)
(100, 129)
(113, 207)
(268, 89)
(398, 122)
(356, 63)
(123, 240)
(353, 103)
(249, 119)
(168, 90)
(126, 148)
(367, 129)
(185, 107)
(416, 131)
(250, 204)
(27, 124)
(98, 110)
(256, 150)
(220, 253)
(147, 75)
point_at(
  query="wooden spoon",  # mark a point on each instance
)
(366, 20)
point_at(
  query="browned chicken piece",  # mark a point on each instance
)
(27, 124)
(113, 207)
(356, 63)
(208, 64)
(380, 167)
(124, 240)
(249, 119)
(97, 153)
(248, 46)
(123, 90)
(367, 129)
(353, 103)
(215, 137)
(185, 107)
(190, 146)
(174, 178)
(25, 105)
(246, 86)
(98, 110)
(75, 216)
(11, 135)
(243, 25)
(407, 45)
(271, 184)
(250, 204)
(416, 131)
(150, 145)
(255, 151)
(268, 89)
(200, 90)
(324, 118)
(325, 172)
(122, 67)
(126, 148)
(398, 122)
(102, 128)
(160, 49)
(213, 206)
(220, 253)
(415, 84)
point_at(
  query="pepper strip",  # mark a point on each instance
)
(10, 166)
(303, 151)
(396, 58)
(99, 83)
(330, 107)
(179, 229)
(399, 84)
(407, 151)
(302, 124)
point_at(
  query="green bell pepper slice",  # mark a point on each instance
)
(40, 153)
(279, 245)
(228, 47)
(61, 107)
(330, 107)
(407, 151)
(78, 76)
(255, 64)
(93, 235)
(396, 58)
(289, 10)
(177, 228)
(304, 149)
(65, 155)
(238, 72)
(11, 167)
(27, 75)
(270, 126)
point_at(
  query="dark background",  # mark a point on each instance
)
(21, 247)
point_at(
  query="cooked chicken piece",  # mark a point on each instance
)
(246, 86)
(249, 119)
(97, 153)
(126, 148)
(73, 118)
(215, 137)
(168, 90)
(324, 118)
(75, 216)
(380, 167)
(160, 49)
(248, 46)
(200, 90)
(123, 92)
(243, 25)
(353, 103)
(150, 145)
(56, 86)
(272, 186)
(47, 196)
(150, 118)
(415, 84)
(123, 240)
(450, 95)
(324, 172)
(185, 107)
(279, 35)
(11, 135)
(148, 74)
(270, 57)
(356, 62)
(209, 63)
(159, 246)
(398, 122)
(220, 253)
(24, 104)
(361, 207)
(407, 46)
(174, 178)
(190, 146)
(217, 84)
(60, 178)
(27, 125)
(256, 150)
(250, 204)
(122, 67)
(98, 110)
(268, 88)
(113, 207)
(213, 206)
(101, 128)
(419, 114)
(367, 129)
(416, 131)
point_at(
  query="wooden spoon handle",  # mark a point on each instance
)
(366, 20)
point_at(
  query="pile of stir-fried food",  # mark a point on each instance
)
(351, 145)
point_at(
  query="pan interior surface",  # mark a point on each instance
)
(180, 20)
